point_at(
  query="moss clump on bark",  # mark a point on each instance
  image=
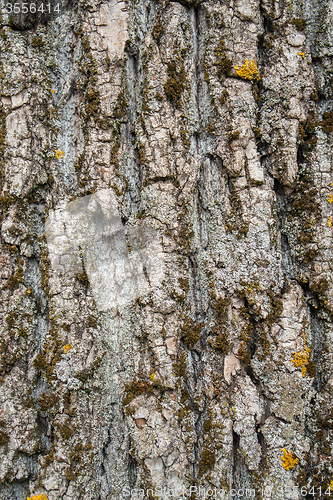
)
(206, 462)
(235, 223)
(245, 337)
(190, 331)
(307, 133)
(327, 122)
(140, 386)
(92, 101)
(37, 42)
(158, 30)
(299, 23)
(15, 279)
(47, 401)
(4, 438)
(221, 341)
(179, 367)
(175, 84)
(224, 63)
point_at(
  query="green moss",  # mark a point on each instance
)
(47, 401)
(175, 84)
(121, 105)
(190, 331)
(185, 234)
(92, 322)
(233, 136)
(224, 64)
(300, 24)
(83, 277)
(306, 209)
(50, 355)
(276, 306)
(66, 432)
(140, 386)
(37, 42)
(185, 134)
(224, 97)
(307, 133)
(245, 337)
(184, 284)
(4, 438)
(309, 255)
(15, 279)
(92, 101)
(158, 30)
(207, 462)
(221, 341)
(179, 367)
(319, 290)
(235, 223)
(327, 122)
(311, 369)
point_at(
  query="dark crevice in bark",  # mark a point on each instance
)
(193, 272)
(263, 446)
(132, 470)
(319, 341)
(104, 465)
(198, 425)
(286, 258)
(240, 474)
(266, 412)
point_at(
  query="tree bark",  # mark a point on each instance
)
(166, 250)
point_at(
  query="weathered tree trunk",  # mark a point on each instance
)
(166, 255)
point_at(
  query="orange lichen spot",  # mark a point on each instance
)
(53, 91)
(38, 497)
(302, 358)
(59, 154)
(301, 54)
(330, 198)
(67, 348)
(288, 460)
(248, 71)
(329, 221)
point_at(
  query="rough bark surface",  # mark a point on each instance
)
(206, 376)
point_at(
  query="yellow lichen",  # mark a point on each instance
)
(152, 377)
(329, 221)
(67, 347)
(288, 461)
(302, 358)
(38, 497)
(248, 71)
(330, 198)
(301, 54)
(59, 154)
